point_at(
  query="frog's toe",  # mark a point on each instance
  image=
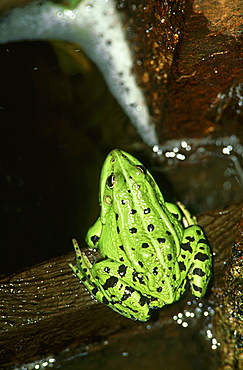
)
(132, 312)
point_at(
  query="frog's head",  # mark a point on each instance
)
(121, 177)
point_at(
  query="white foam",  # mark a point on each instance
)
(96, 26)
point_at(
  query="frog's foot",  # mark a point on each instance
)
(187, 218)
(83, 267)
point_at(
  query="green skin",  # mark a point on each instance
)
(150, 248)
(68, 4)
(72, 3)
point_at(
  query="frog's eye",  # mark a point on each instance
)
(111, 181)
(141, 169)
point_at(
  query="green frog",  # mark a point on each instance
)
(149, 248)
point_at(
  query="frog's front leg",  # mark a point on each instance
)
(195, 260)
(108, 281)
(93, 234)
(187, 218)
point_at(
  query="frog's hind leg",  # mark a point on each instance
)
(195, 260)
(110, 283)
(119, 286)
